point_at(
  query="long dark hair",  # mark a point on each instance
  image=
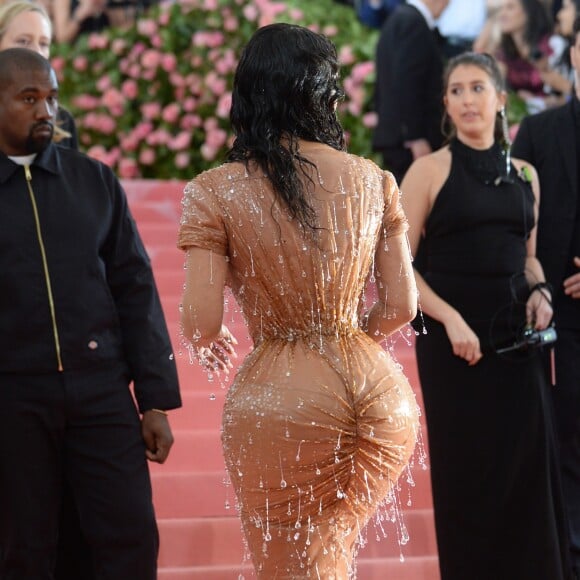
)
(285, 89)
(487, 64)
(538, 25)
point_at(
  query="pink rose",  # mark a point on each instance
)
(181, 141)
(80, 63)
(97, 152)
(370, 120)
(216, 138)
(118, 45)
(182, 160)
(168, 62)
(97, 41)
(207, 152)
(134, 71)
(216, 85)
(345, 55)
(151, 110)
(189, 122)
(86, 102)
(147, 157)
(361, 71)
(147, 27)
(113, 99)
(250, 12)
(130, 89)
(128, 168)
(104, 83)
(129, 143)
(224, 105)
(190, 104)
(171, 113)
(58, 65)
(151, 58)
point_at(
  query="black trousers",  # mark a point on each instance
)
(81, 429)
(566, 398)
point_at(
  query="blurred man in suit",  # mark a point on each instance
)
(551, 142)
(408, 92)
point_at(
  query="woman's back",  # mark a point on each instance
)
(290, 282)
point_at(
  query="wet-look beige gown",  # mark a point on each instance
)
(319, 421)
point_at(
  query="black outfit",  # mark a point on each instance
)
(92, 24)
(409, 87)
(76, 329)
(495, 485)
(551, 142)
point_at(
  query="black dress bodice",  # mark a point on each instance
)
(480, 221)
(475, 242)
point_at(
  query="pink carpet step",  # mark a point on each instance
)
(209, 541)
(193, 494)
(156, 211)
(414, 568)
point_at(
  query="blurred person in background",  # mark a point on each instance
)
(407, 98)
(528, 53)
(498, 512)
(75, 17)
(460, 24)
(551, 141)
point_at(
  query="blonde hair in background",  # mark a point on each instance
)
(9, 10)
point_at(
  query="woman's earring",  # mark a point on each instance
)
(506, 147)
(507, 142)
(505, 127)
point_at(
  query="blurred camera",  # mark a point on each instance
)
(532, 338)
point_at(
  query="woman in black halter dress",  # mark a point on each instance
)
(496, 496)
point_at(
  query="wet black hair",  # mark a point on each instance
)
(286, 88)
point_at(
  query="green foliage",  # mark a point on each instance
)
(153, 100)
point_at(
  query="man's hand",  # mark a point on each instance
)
(418, 147)
(572, 284)
(157, 436)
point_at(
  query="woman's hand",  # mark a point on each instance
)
(464, 341)
(539, 311)
(217, 356)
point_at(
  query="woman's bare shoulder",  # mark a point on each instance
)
(430, 171)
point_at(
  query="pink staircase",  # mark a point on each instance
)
(200, 533)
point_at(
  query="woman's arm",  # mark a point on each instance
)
(420, 187)
(67, 25)
(397, 292)
(539, 305)
(203, 307)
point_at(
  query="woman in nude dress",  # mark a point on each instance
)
(319, 421)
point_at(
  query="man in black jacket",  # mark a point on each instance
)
(80, 319)
(409, 85)
(551, 142)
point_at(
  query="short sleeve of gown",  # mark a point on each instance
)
(201, 224)
(394, 219)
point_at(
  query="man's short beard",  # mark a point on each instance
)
(37, 144)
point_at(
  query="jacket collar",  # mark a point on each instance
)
(48, 159)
